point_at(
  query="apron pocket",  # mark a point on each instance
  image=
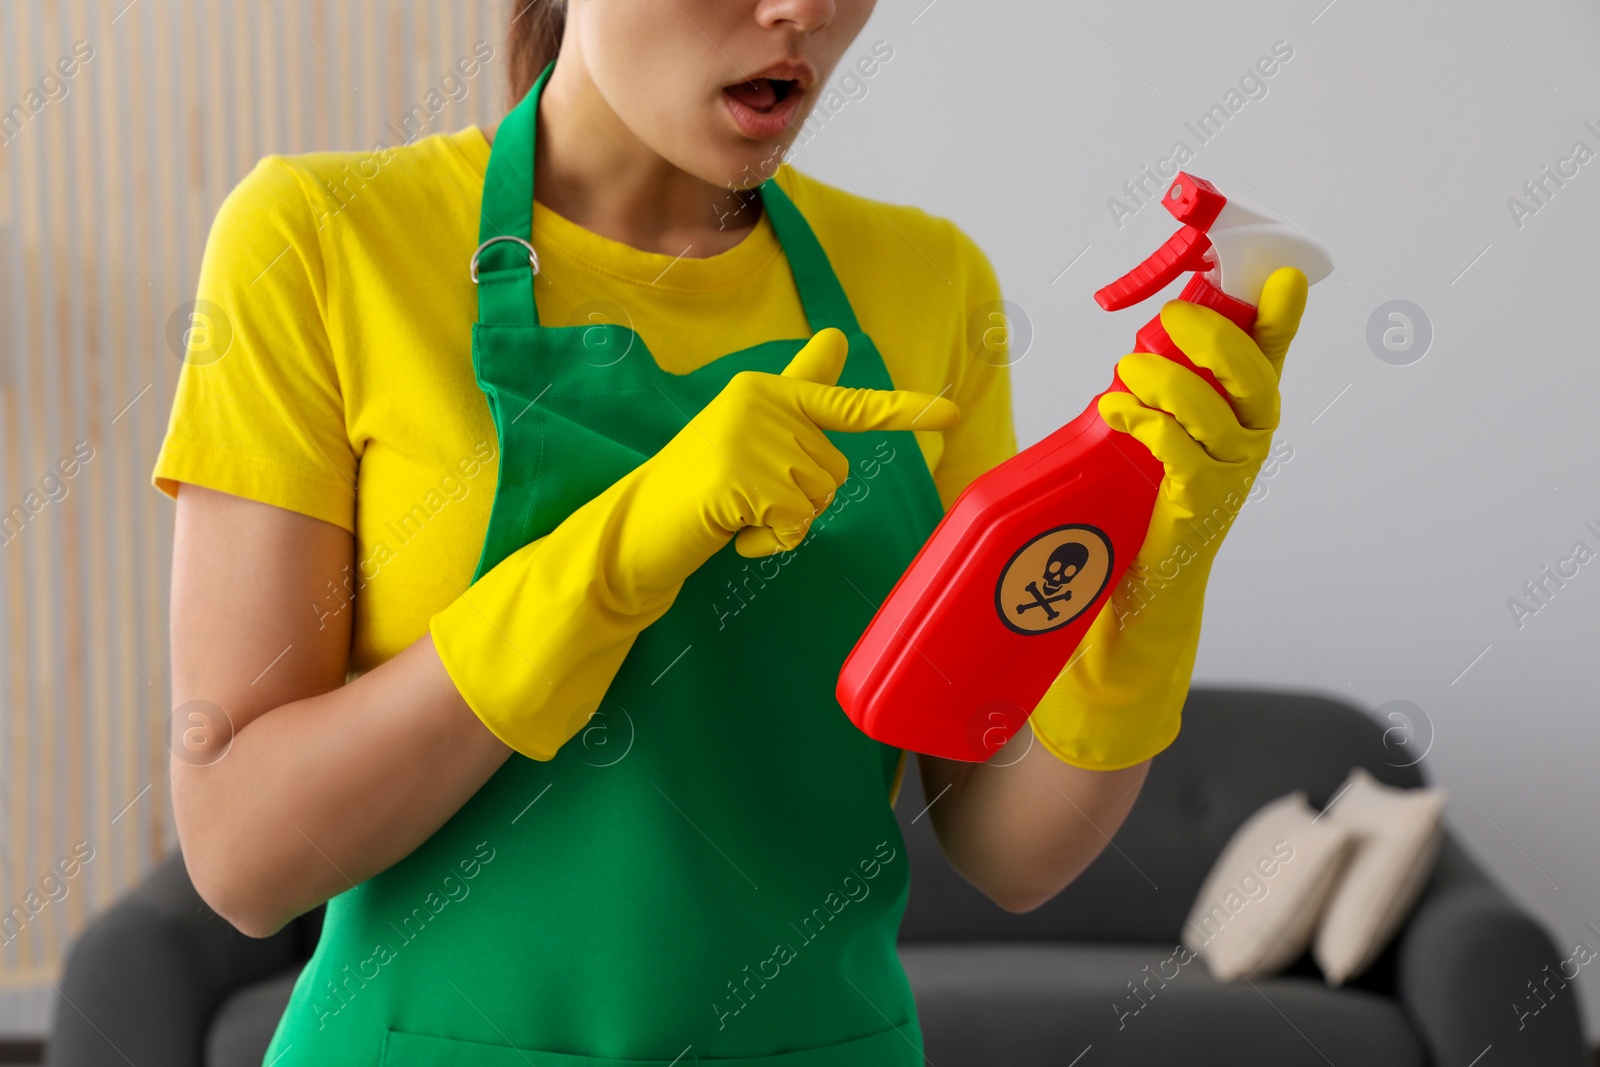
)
(887, 1048)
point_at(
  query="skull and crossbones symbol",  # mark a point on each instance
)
(1064, 564)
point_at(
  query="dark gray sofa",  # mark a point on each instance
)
(1024, 990)
(160, 980)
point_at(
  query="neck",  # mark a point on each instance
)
(594, 171)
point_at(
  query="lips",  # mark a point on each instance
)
(765, 106)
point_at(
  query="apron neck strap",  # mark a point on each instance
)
(505, 263)
(820, 292)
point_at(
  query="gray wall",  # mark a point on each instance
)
(1380, 562)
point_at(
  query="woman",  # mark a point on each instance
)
(507, 607)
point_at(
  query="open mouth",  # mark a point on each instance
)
(761, 94)
(763, 108)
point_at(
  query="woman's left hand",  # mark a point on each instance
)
(1119, 702)
(1211, 449)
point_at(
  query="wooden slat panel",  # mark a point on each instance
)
(106, 194)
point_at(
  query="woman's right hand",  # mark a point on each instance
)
(534, 644)
(756, 464)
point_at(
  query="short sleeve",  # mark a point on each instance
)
(258, 411)
(986, 435)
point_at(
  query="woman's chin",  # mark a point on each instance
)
(724, 160)
(751, 163)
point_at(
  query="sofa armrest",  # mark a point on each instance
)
(143, 979)
(1464, 967)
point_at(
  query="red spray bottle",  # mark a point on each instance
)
(998, 599)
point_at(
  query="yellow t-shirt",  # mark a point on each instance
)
(330, 367)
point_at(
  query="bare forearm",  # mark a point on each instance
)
(288, 785)
(1024, 825)
(313, 797)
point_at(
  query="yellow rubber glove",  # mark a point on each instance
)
(1119, 700)
(534, 644)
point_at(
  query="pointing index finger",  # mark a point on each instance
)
(833, 407)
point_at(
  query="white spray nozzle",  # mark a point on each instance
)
(1248, 243)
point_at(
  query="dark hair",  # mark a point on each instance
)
(532, 40)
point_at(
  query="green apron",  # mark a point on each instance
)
(710, 871)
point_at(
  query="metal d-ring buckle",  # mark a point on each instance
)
(533, 257)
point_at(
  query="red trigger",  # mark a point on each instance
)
(1184, 251)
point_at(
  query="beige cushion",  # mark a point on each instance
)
(1261, 901)
(1397, 839)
